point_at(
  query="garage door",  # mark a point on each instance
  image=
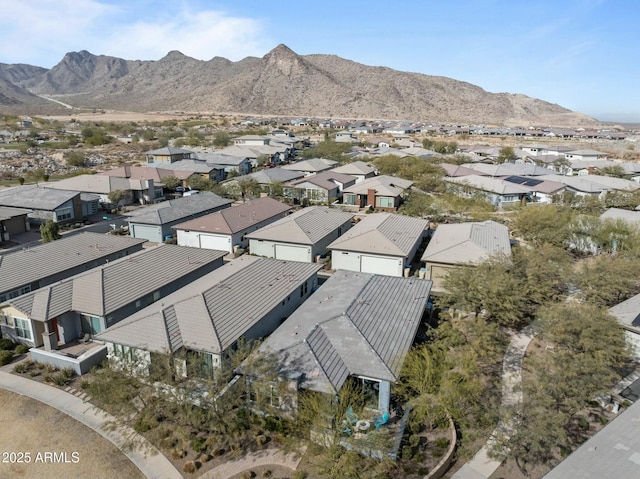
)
(292, 253)
(151, 233)
(222, 243)
(378, 265)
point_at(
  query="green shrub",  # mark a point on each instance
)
(248, 475)
(267, 473)
(442, 443)
(261, 439)
(583, 424)
(6, 344)
(407, 452)
(34, 372)
(68, 373)
(50, 368)
(5, 357)
(414, 440)
(20, 368)
(22, 349)
(199, 444)
(48, 378)
(299, 475)
(603, 420)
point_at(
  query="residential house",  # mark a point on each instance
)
(136, 191)
(632, 218)
(13, 221)
(355, 327)
(231, 164)
(509, 169)
(323, 187)
(199, 167)
(302, 236)
(60, 206)
(595, 185)
(541, 189)
(311, 166)
(199, 323)
(495, 190)
(611, 452)
(628, 315)
(34, 267)
(50, 318)
(463, 244)
(358, 169)
(382, 193)
(155, 223)
(585, 155)
(381, 243)
(166, 155)
(227, 229)
(268, 178)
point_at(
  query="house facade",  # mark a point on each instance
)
(13, 221)
(381, 243)
(60, 206)
(227, 229)
(383, 193)
(302, 236)
(323, 187)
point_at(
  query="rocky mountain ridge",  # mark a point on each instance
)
(280, 83)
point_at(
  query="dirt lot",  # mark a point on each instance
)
(28, 426)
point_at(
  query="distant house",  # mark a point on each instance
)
(198, 167)
(311, 166)
(155, 223)
(628, 315)
(84, 305)
(463, 244)
(60, 206)
(382, 243)
(356, 327)
(166, 155)
(136, 191)
(302, 236)
(206, 319)
(382, 193)
(37, 266)
(237, 164)
(323, 187)
(13, 221)
(358, 169)
(632, 218)
(495, 190)
(227, 228)
(269, 177)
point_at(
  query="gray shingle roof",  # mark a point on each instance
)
(307, 226)
(107, 288)
(467, 243)
(36, 198)
(325, 179)
(384, 185)
(369, 323)
(355, 168)
(311, 165)
(178, 209)
(628, 312)
(38, 262)
(383, 233)
(8, 213)
(213, 312)
(274, 175)
(237, 218)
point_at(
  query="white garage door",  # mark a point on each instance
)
(292, 253)
(222, 243)
(150, 233)
(378, 265)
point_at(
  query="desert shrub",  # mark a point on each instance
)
(177, 454)
(299, 475)
(67, 373)
(21, 368)
(248, 475)
(5, 357)
(407, 452)
(203, 458)
(34, 372)
(22, 349)
(189, 467)
(50, 368)
(414, 440)
(48, 378)
(267, 473)
(583, 424)
(219, 451)
(199, 444)
(6, 344)
(261, 439)
(442, 443)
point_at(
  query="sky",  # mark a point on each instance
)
(580, 54)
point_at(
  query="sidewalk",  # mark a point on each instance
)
(261, 458)
(152, 464)
(482, 466)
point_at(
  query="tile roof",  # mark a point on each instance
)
(354, 324)
(237, 218)
(107, 288)
(467, 243)
(311, 165)
(355, 168)
(383, 233)
(274, 175)
(384, 185)
(325, 179)
(35, 197)
(34, 263)
(178, 209)
(306, 226)
(213, 312)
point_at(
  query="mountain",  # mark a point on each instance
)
(280, 83)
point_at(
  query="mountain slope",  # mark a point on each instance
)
(281, 83)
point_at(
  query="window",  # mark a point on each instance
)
(200, 364)
(64, 214)
(156, 296)
(91, 324)
(385, 202)
(123, 352)
(350, 199)
(23, 329)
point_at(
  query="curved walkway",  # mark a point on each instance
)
(267, 457)
(482, 466)
(152, 464)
